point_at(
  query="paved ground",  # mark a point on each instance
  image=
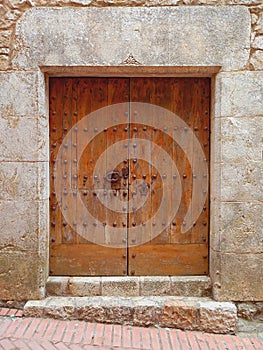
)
(17, 332)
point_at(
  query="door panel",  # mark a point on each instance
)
(135, 179)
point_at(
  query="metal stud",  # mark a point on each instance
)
(115, 129)
(204, 223)
(134, 224)
(133, 240)
(65, 129)
(204, 239)
(54, 112)
(94, 194)
(205, 144)
(85, 193)
(165, 128)
(115, 193)
(65, 145)
(163, 223)
(65, 193)
(96, 177)
(133, 256)
(104, 193)
(53, 208)
(53, 176)
(194, 224)
(185, 128)
(85, 224)
(114, 224)
(125, 161)
(175, 128)
(54, 144)
(85, 177)
(144, 128)
(85, 129)
(53, 223)
(174, 223)
(144, 176)
(164, 176)
(126, 129)
(76, 128)
(74, 223)
(134, 176)
(65, 224)
(76, 113)
(194, 176)
(74, 145)
(126, 113)
(125, 193)
(135, 129)
(105, 129)
(132, 272)
(205, 128)
(94, 224)
(124, 256)
(53, 240)
(154, 223)
(54, 129)
(104, 223)
(184, 223)
(75, 161)
(204, 208)
(134, 160)
(64, 176)
(184, 176)
(95, 129)
(124, 240)
(195, 128)
(174, 176)
(204, 191)
(53, 161)
(65, 161)
(74, 193)
(154, 176)
(134, 145)
(143, 224)
(126, 145)
(65, 113)
(154, 129)
(75, 176)
(135, 113)
(53, 193)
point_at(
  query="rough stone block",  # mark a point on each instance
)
(179, 36)
(239, 94)
(81, 286)
(29, 139)
(238, 139)
(57, 286)
(194, 286)
(21, 276)
(147, 312)
(24, 226)
(218, 317)
(18, 94)
(238, 228)
(23, 181)
(120, 286)
(241, 277)
(155, 285)
(238, 182)
(256, 60)
(180, 313)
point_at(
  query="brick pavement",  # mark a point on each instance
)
(17, 332)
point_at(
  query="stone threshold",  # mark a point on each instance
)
(199, 314)
(190, 286)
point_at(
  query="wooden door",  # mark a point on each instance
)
(171, 252)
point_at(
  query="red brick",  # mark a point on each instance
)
(76, 347)
(211, 342)
(59, 333)
(164, 338)
(108, 330)
(155, 340)
(98, 337)
(201, 340)
(136, 337)
(42, 328)
(116, 339)
(258, 344)
(6, 344)
(31, 330)
(21, 345)
(33, 345)
(89, 333)
(79, 332)
(146, 340)
(184, 342)
(47, 345)
(23, 326)
(248, 344)
(126, 336)
(11, 312)
(69, 332)
(4, 311)
(4, 324)
(220, 341)
(13, 326)
(174, 340)
(192, 341)
(51, 328)
(61, 346)
(19, 313)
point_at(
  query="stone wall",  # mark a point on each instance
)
(38, 36)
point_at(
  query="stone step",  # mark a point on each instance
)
(187, 313)
(192, 286)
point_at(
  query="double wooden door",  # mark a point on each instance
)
(127, 191)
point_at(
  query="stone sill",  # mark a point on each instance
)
(189, 286)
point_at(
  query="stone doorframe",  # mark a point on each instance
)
(137, 42)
